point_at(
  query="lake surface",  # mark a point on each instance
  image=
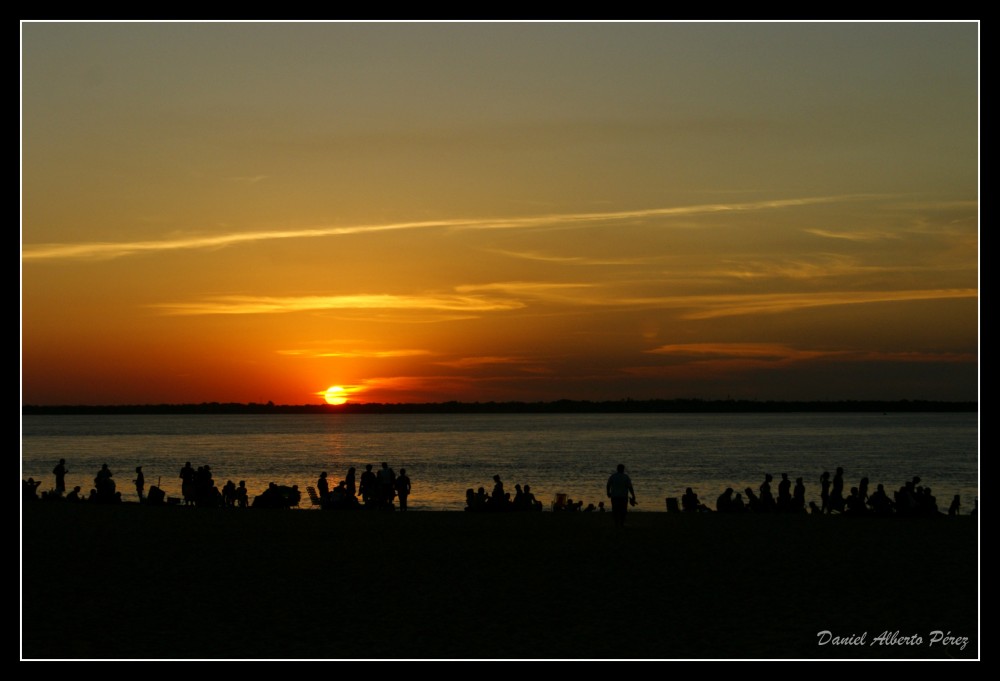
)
(573, 454)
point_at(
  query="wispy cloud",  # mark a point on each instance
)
(523, 287)
(698, 360)
(575, 260)
(469, 300)
(467, 362)
(774, 303)
(707, 306)
(785, 353)
(857, 235)
(813, 268)
(355, 354)
(107, 250)
(273, 305)
(763, 351)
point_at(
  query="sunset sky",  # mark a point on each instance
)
(245, 212)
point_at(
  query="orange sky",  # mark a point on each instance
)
(424, 212)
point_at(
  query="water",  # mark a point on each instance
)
(554, 453)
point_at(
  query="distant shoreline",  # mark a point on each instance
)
(679, 406)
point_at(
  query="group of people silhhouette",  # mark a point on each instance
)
(911, 499)
(501, 500)
(384, 489)
(381, 489)
(198, 488)
(104, 491)
(523, 499)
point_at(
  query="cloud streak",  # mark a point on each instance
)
(110, 250)
(575, 260)
(732, 306)
(231, 305)
(867, 235)
(355, 354)
(473, 362)
(694, 307)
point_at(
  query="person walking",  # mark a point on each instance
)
(621, 493)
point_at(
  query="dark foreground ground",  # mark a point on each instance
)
(122, 582)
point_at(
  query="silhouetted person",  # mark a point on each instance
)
(854, 505)
(689, 502)
(880, 502)
(785, 494)
(104, 484)
(350, 487)
(228, 494)
(824, 494)
(402, 488)
(323, 487)
(368, 486)
(837, 491)
(905, 500)
(74, 495)
(29, 489)
(386, 485)
(863, 489)
(60, 472)
(480, 499)
(242, 498)
(814, 509)
(766, 497)
(187, 483)
(534, 505)
(140, 483)
(753, 501)
(269, 498)
(799, 496)
(337, 498)
(724, 504)
(498, 498)
(205, 492)
(956, 506)
(928, 503)
(621, 493)
(737, 505)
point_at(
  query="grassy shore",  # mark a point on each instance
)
(129, 581)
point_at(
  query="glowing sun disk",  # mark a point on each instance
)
(335, 395)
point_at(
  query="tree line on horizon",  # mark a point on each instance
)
(567, 406)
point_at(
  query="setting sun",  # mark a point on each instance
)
(335, 395)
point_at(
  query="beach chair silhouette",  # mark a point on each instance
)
(672, 505)
(313, 496)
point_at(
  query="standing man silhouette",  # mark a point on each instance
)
(323, 485)
(402, 488)
(140, 483)
(621, 494)
(60, 472)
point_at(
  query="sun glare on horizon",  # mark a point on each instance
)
(335, 394)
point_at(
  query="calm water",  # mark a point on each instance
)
(568, 453)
